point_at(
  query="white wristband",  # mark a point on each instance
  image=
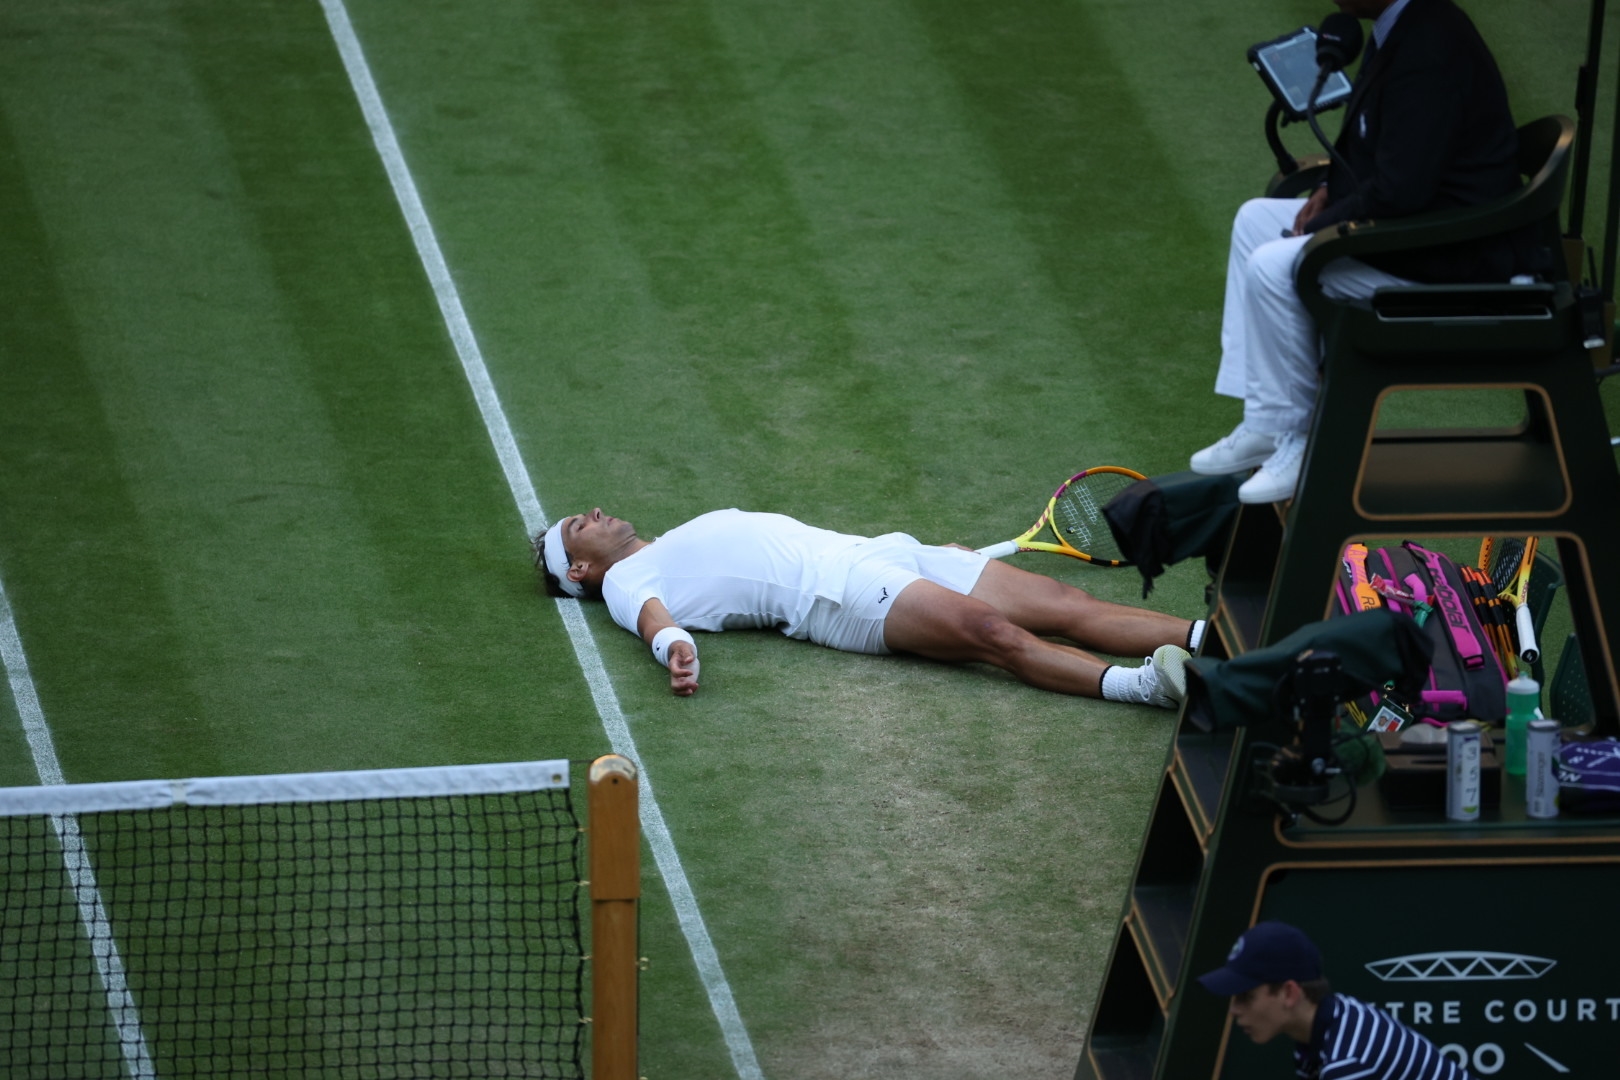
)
(665, 638)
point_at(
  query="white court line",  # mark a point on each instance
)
(97, 928)
(534, 520)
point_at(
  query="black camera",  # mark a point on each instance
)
(1300, 774)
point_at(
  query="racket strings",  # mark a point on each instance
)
(1080, 516)
(1509, 556)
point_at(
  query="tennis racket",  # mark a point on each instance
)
(1074, 515)
(1491, 618)
(1512, 582)
(1489, 608)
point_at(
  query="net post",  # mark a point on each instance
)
(615, 873)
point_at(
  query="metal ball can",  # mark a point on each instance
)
(1540, 772)
(1462, 769)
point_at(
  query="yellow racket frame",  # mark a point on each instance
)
(1027, 542)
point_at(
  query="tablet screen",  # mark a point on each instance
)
(1288, 66)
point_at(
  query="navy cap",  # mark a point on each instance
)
(1269, 952)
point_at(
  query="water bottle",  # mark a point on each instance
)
(1524, 705)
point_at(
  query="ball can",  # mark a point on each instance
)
(1462, 769)
(1540, 775)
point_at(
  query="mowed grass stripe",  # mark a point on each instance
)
(704, 203)
(969, 352)
(450, 547)
(83, 574)
(1120, 248)
(228, 459)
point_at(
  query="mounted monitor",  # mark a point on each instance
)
(1288, 67)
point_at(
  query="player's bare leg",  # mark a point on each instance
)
(1049, 608)
(931, 620)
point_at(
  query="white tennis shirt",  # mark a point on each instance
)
(733, 570)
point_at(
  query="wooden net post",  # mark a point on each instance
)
(614, 841)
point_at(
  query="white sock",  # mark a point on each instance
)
(1124, 684)
(1195, 636)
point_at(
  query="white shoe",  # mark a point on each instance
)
(1242, 449)
(1164, 676)
(1279, 476)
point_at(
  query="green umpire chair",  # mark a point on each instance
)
(1554, 474)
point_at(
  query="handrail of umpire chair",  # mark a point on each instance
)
(1544, 155)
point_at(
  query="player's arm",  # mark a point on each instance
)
(672, 646)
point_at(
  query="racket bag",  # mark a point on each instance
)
(1465, 680)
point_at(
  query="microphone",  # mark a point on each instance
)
(1338, 42)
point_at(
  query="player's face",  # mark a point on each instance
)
(1261, 1012)
(590, 536)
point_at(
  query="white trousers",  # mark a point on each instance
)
(1270, 351)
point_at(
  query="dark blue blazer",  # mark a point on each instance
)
(1428, 128)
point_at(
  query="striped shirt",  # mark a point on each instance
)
(1351, 1040)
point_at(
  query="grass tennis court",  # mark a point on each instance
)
(882, 266)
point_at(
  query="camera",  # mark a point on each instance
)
(1300, 774)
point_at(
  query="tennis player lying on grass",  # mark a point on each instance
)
(729, 570)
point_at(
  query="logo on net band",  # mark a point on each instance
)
(1461, 967)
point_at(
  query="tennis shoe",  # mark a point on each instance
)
(1279, 475)
(1243, 449)
(1164, 676)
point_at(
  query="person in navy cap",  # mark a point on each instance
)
(1274, 977)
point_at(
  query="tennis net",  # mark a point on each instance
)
(416, 922)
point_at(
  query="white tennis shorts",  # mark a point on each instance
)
(882, 568)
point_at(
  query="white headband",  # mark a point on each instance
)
(557, 561)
